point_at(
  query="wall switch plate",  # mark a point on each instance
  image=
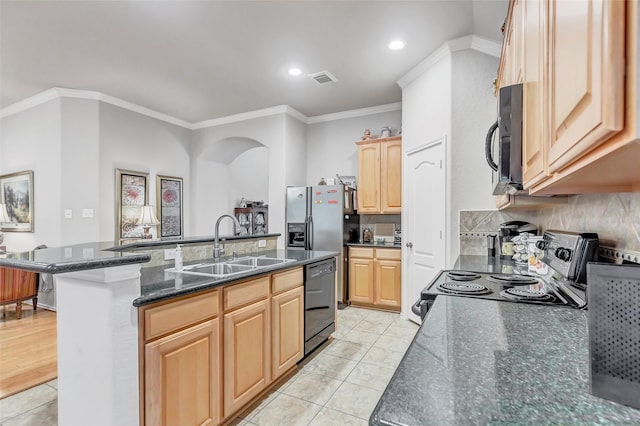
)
(262, 243)
(169, 254)
(87, 213)
(68, 214)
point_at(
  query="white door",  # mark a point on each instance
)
(424, 220)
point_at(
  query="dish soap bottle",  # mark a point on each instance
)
(178, 258)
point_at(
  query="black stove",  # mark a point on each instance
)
(519, 288)
(566, 255)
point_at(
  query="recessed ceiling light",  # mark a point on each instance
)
(396, 45)
(294, 71)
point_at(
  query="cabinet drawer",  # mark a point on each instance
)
(366, 252)
(247, 292)
(287, 280)
(388, 254)
(173, 316)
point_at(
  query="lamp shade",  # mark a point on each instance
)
(4, 216)
(148, 217)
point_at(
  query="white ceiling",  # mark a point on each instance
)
(197, 60)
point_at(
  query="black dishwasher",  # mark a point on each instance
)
(319, 303)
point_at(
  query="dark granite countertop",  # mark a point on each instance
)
(374, 244)
(477, 361)
(99, 255)
(158, 284)
(73, 258)
(144, 244)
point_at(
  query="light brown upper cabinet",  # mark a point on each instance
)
(535, 128)
(587, 76)
(380, 175)
(580, 66)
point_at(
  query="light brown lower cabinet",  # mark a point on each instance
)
(375, 277)
(361, 280)
(182, 377)
(247, 354)
(387, 283)
(207, 356)
(287, 313)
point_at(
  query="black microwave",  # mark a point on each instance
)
(508, 169)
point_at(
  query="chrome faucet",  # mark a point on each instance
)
(217, 251)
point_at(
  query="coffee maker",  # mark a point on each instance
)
(511, 229)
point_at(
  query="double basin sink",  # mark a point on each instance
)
(230, 267)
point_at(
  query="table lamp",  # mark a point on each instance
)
(4, 217)
(147, 220)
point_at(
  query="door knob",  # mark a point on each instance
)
(410, 245)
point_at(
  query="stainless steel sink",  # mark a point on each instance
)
(231, 267)
(217, 269)
(257, 262)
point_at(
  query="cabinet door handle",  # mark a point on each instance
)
(410, 245)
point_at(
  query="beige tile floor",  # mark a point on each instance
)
(338, 385)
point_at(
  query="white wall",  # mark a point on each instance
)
(473, 110)
(30, 140)
(296, 151)
(210, 186)
(136, 142)
(249, 177)
(80, 174)
(270, 131)
(427, 106)
(331, 145)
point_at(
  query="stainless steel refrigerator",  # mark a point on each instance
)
(315, 220)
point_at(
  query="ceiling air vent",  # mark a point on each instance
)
(324, 77)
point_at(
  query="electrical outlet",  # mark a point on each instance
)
(169, 254)
(262, 243)
(68, 214)
(87, 213)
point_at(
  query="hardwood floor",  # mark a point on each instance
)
(28, 349)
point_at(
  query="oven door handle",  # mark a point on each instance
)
(416, 308)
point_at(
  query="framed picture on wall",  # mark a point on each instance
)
(131, 195)
(170, 206)
(16, 194)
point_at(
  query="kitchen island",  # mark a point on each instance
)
(103, 295)
(477, 361)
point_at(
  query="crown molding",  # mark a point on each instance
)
(29, 102)
(280, 109)
(59, 92)
(355, 113)
(296, 114)
(480, 44)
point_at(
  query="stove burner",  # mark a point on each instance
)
(463, 275)
(526, 295)
(506, 279)
(463, 288)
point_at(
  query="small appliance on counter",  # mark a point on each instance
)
(397, 236)
(508, 231)
(367, 235)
